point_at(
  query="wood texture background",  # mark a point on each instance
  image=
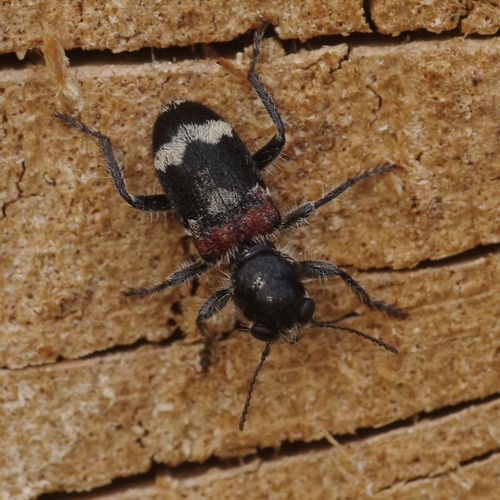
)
(100, 393)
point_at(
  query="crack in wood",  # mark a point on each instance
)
(192, 471)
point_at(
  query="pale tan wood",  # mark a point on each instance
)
(83, 245)
(69, 246)
(484, 18)
(128, 26)
(78, 424)
(471, 481)
(393, 17)
(433, 458)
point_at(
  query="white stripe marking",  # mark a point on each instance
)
(221, 199)
(172, 153)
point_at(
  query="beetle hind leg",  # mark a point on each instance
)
(213, 305)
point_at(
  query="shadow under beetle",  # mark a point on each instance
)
(214, 185)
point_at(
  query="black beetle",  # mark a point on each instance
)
(214, 185)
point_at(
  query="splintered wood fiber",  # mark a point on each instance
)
(101, 394)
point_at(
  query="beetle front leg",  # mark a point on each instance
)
(272, 149)
(147, 203)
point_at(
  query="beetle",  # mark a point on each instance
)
(215, 187)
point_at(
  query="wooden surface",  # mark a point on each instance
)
(97, 387)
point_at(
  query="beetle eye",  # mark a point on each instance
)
(306, 310)
(263, 333)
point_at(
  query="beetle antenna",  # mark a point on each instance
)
(243, 417)
(375, 340)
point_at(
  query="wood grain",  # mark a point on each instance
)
(96, 386)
